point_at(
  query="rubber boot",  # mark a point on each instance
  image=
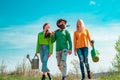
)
(83, 77)
(89, 75)
(63, 78)
(43, 77)
(49, 75)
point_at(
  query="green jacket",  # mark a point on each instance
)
(42, 40)
(63, 40)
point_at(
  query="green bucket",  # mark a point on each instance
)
(94, 54)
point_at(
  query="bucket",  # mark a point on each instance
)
(34, 62)
(94, 54)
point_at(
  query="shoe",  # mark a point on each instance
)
(89, 75)
(49, 75)
(43, 77)
(63, 78)
(83, 77)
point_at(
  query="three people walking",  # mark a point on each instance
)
(64, 47)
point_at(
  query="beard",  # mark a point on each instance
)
(62, 26)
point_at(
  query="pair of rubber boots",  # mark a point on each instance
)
(44, 77)
(89, 75)
(63, 78)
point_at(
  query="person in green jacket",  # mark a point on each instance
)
(63, 46)
(45, 48)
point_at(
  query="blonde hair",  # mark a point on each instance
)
(80, 25)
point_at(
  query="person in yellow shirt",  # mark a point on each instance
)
(81, 39)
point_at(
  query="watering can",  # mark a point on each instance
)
(94, 54)
(34, 62)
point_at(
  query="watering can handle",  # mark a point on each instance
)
(92, 41)
(35, 56)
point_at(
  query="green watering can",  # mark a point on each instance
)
(94, 54)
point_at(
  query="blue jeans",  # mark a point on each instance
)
(44, 51)
(83, 57)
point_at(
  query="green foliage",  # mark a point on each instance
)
(116, 62)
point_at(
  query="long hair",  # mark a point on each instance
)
(45, 25)
(47, 33)
(80, 25)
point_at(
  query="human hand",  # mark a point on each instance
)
(75, 53)
(36, 54)
(49, 55)
(69, 52)
(92, 41)
(52, 33)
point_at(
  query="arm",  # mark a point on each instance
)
(50, 46)
(53, 37)
(74, 44)
(37, 45)
(89, 37)
(69, 40)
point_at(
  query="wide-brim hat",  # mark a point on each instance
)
(58, 21)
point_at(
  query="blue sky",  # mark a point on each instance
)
(21, 20)
(17, 12)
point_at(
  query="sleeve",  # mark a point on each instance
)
(89, 36)
(50, 45)
(37, 45)
(74, 41)
(53, 38)
(69, 40)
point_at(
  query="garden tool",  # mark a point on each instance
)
(34, 62)
(94, 54)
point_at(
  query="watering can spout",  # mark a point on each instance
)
(28, 56)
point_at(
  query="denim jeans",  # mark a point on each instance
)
(83, 57)
(44, 51)
(61, 61)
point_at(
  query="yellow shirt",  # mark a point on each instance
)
(81, 39)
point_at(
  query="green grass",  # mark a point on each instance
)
(114, 76)
(15, 77)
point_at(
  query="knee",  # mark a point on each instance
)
(81, 60)
(86, 63)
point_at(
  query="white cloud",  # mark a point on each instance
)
(92, 3)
